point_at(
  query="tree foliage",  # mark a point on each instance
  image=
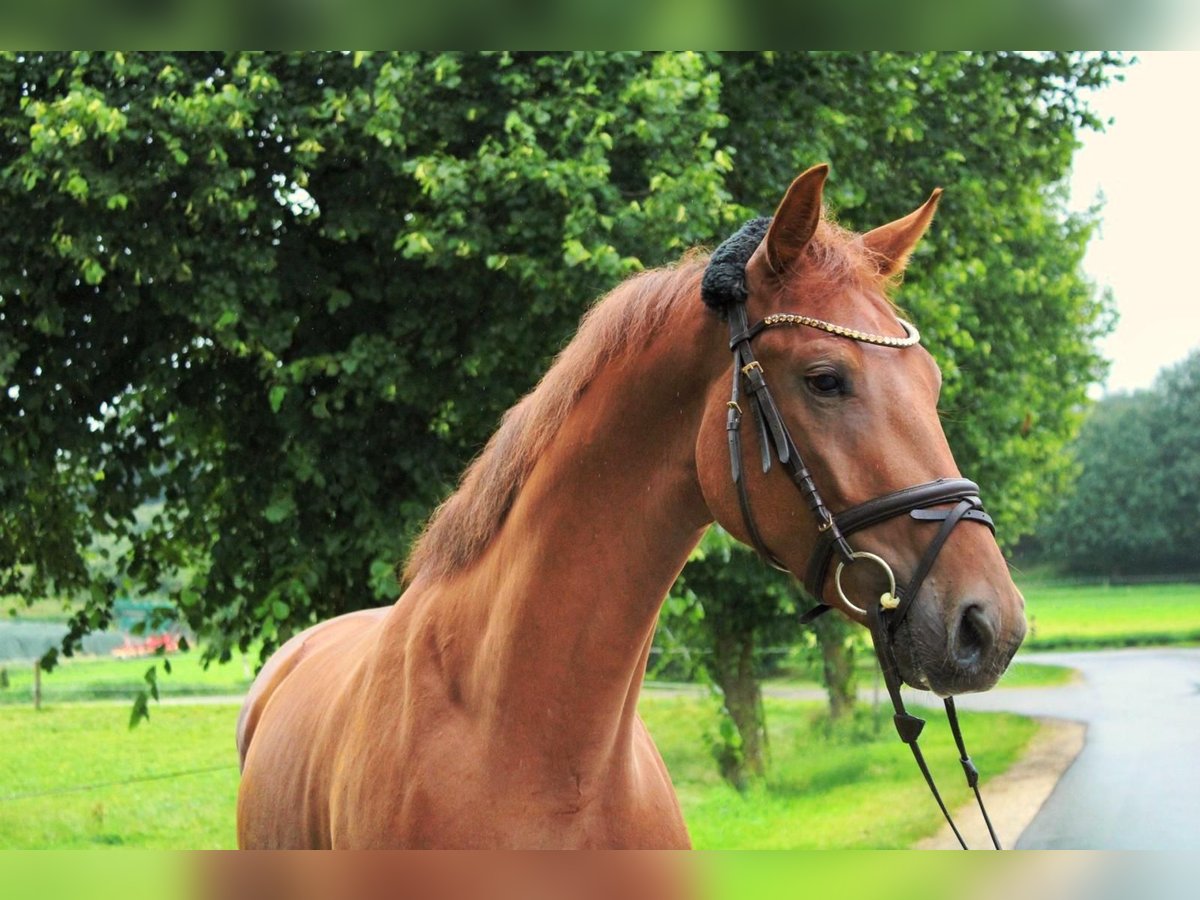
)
(1135, 509)
(285, 297)
(290, 295)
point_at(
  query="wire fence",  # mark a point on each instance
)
(122, 782)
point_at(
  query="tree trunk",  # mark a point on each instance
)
(837, 661)
(733, 670)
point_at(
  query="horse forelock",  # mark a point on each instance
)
(462, 527)
(833, 259)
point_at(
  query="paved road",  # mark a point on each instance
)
(1136, 784)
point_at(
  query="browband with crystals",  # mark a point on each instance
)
(911, 335)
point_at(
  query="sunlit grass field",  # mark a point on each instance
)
(1098, 615)
(75, 776)
(115, 679)
(854, 787)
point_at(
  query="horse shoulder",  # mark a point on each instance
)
(285, 660)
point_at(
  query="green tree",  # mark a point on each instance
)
(1135, 509)
(289, 295)
(284, 297)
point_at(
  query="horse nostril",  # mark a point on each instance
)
(975, 636)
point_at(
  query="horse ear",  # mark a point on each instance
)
(892, 243)
(796, 219)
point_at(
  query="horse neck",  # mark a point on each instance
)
(565, 600)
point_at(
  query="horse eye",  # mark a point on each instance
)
(824, 384)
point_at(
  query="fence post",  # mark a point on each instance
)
(37, 685)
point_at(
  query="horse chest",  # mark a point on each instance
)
(447, 786)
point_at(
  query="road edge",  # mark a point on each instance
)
(1015, 796)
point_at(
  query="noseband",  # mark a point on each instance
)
(724, 288)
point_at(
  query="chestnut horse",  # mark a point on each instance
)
(495, 704)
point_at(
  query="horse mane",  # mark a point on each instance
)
(462, 527)
(466, 522)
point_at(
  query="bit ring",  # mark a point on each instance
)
(882, 563)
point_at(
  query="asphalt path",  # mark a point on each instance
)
(1136, 783)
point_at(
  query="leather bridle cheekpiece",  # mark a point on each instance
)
(724, 289)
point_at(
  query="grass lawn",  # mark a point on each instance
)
(61, 768)
(848, 789)
(1023, 675)
(44, 610)
(1090, 616)
(75, 776)
(110, 678)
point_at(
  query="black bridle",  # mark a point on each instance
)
(724, 288)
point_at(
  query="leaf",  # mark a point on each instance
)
(338, 299)
(77, 186)
(574, 252)
(93, 271)
(282, 507)
(141, 709)
(280, 610)
(275, 397)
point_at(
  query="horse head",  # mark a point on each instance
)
(841, 472)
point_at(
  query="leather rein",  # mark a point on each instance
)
(929, 502)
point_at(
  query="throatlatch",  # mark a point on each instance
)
(724, 288)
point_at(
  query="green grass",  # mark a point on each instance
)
(114, 679)
(51, 610)
(1026, 675)
(1093, 616)
(75, 776)
(61, 768)
(849, 789)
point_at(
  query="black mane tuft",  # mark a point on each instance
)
(725, 278)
